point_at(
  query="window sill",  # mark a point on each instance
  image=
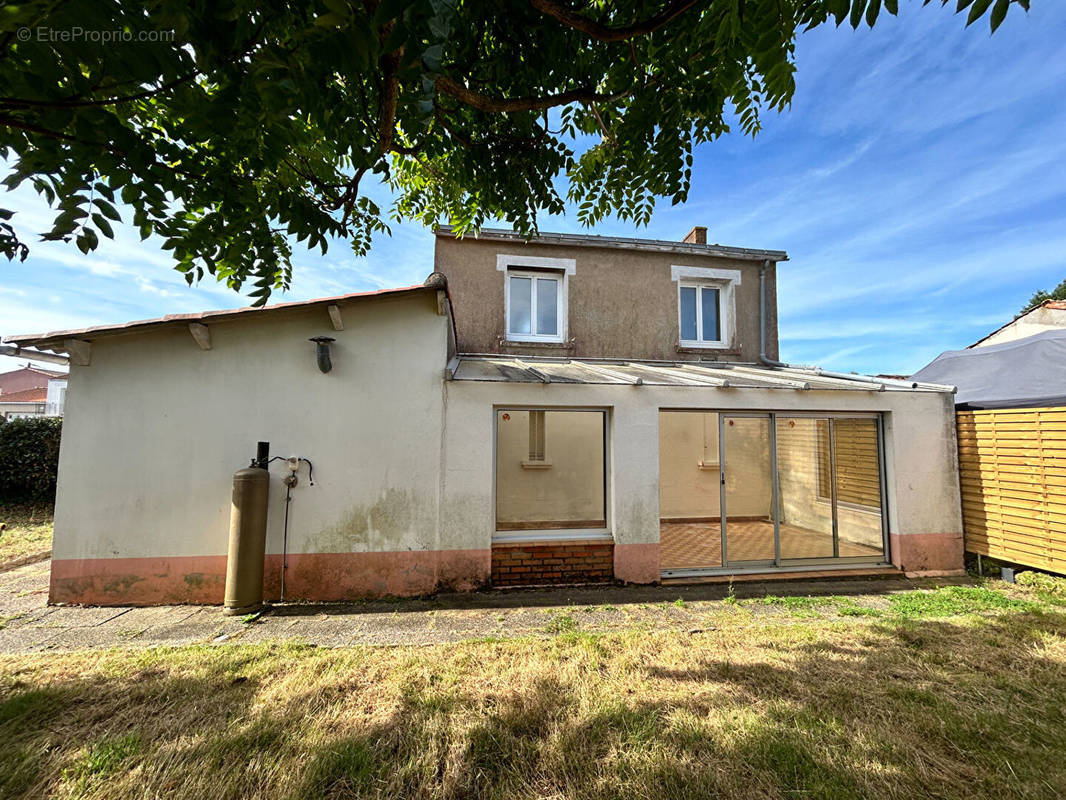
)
(694, 345)
(552, 536)
(718, 350)
(502, 341)
(708, 465)
(536, 465)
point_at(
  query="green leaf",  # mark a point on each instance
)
(872, 11)
(104, 226)
(389, 9)
(857, 9)
(431, 57)
(108, 210)
(977, 10)
(331, 20)
(999, 13)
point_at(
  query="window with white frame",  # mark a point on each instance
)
(534, 305)
(705, 306)
(701, 314)
(535, 297)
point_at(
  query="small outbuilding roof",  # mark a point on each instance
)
(1024, 373)
(667, 373)
(53, 340)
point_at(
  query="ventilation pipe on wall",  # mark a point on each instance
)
(762, 318)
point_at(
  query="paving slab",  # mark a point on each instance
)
(142, 619)
(78, 616)
(28, 624)
(203, 625)
(20, 640)
(89, 638)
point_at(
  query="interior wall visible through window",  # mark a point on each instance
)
(550, 470)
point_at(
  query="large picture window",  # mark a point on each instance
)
(550, 470)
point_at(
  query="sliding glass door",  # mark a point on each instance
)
(792, 490)
(748, 524)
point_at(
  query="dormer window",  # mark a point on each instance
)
(534, 305)
(535, 298)
(701, 314)
(705, 306)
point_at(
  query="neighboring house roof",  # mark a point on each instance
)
(25, 396)
(1049, 315)
(1024, 373)
(53, 340)
(27, 377)
(530, 369)
(620, 242)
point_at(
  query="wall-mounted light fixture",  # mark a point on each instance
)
(322, 343)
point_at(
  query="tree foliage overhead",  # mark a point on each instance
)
(1058, 293)
(256, 123)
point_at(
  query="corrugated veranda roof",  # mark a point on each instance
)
(529, 369)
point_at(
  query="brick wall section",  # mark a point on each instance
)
(557, 562)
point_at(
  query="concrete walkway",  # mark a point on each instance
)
(28, 624)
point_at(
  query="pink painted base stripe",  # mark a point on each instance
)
(927, 552)
(637, 563)
(312, 576)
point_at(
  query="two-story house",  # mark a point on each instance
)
(565, 409)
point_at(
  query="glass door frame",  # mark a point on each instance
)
(724, 467)
(778, 562)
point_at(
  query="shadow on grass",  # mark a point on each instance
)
(919, 708)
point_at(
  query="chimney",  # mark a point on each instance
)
(697, 235)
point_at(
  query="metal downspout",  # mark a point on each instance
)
(762, 319)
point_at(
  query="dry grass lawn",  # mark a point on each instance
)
(28, 533)
(948, 694)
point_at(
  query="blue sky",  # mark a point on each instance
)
(918, 183)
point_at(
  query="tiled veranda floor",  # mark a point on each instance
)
(699, 544)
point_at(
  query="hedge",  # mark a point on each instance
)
(29, 459)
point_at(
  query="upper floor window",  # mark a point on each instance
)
(534, 305)
(535, 296)
(701, 314)
(705, 306)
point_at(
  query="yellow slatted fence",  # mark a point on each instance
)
(1012, 465)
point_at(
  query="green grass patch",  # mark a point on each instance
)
(561, 623)
(102, 760)
(793, 602)
(28, 532)
(1048, 588)
(849, 608)
(949, 601)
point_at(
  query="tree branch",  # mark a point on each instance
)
(16, 102)
(31, 128)
(499, 105)
(605, 34)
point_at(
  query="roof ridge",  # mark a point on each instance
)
(630, 242)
